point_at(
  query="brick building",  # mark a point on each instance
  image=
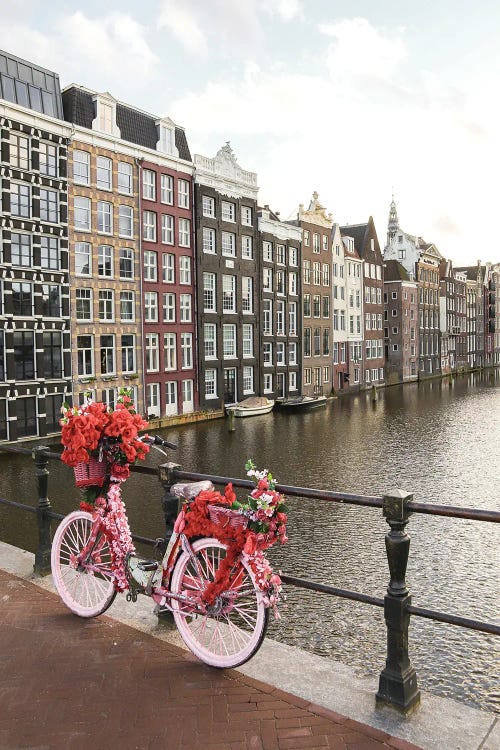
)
(355, 314)
(400, 324)
(35, 367)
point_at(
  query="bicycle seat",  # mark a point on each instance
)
(188, 490)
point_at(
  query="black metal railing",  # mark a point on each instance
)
(398, 681)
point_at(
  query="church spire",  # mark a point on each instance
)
(393, 223)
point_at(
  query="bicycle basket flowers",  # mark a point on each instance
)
(97, 434)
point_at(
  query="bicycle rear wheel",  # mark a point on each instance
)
(85, 592)
(233, 635)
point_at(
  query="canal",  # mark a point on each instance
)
(441, 443)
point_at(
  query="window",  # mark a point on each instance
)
(228, 211)
(268, 382)
(307, 342)
(247, 294)
(20, 249)
(125, 178)
(316, 306)
(247, 334)
(246, 247)
(167, 229)
(151, 307)
(104, 217)
(342, 352)
(169, 308)
(316, 243)
(25, 410)
(49, 253)
(210, 340)
(126, 221)
(83, 304)
(267, 279)
(51, 300)
(106, 305)
(185, 308)
(85, 355)
(395, 347)
(209, 304)
(184, 269)
(184, 233)
(292, 353)
(186, 351)
(152, 353)
(167, 189)
(267, 354)
(104, 173)
(307, 271)
(168, 268)
(105, 117)
(325, 243)
(210, 384)
(394, 312)
(153, 399)
(49, 206)
(307, 305)
(48, 159)
(150, 265)
(292, 381)
(107, 346)
(81, 167)
(24, 355)
(229, 294)
(128, 353)
(19, 151)
(394, 295)
(148, 185)
(20, 200)
(316, 274)
(105, 261)
(229, 244)
(167, 139)
(267, 310)
(126, 263)
(280, 354)
(127, 305)
(170, 347)
(183, 194)
(208, 206)
(149, 226)
(53, 406)
(280, 255)
(82, 214)
(22, 298)
(326, 274)
(326, 307)
(306, 237)
(317, 342)
(292, 319)
(292, 256)
(247, 380)
(246, 216)
(267, 251)
(229, 340)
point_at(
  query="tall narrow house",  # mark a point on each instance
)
(35, 375)
(227, 272)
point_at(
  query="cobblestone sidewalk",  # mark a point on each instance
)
(74, 684)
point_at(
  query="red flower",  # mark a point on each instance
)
(120, 471)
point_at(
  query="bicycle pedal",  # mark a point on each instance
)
(148, 565)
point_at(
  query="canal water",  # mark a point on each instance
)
(442, 443)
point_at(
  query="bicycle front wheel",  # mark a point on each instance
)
(87, 589)
(230, 633)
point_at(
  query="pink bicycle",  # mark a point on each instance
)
(219, 598)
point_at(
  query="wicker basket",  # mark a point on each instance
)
(91, 473)
(227, 518)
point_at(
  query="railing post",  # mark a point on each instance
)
(398, 681)
(42, 555)
(170, 503)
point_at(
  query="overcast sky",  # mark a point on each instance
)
(352, 98)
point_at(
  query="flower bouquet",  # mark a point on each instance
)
(100, 443)
(248, 526)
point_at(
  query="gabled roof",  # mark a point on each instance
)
(394, 271)
(135, 126)
(471, 271)
(361, 234)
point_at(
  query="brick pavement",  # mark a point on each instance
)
(74, 684)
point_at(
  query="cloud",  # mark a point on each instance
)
(183, 25)
(287, 10)
(361, 50)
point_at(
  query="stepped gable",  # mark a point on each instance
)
(135, 126)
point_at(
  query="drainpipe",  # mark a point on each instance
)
(138, 163)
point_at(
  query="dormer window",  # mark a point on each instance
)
(105, 119)
(166, 137)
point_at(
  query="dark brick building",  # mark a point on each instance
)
(400, 324)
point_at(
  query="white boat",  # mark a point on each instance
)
(301, 403)
(251, 407)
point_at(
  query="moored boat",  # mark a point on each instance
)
(251, 407)
(301, 403)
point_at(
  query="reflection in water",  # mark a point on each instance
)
(438, 442)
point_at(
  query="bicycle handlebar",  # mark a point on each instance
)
(157, 440)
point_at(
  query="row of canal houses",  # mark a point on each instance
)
(127, 262)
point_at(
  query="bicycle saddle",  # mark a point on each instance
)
(188, 490)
